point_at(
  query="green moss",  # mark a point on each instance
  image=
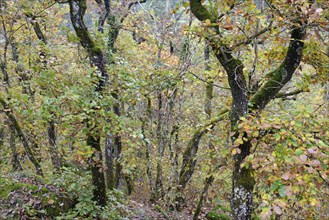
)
(216, 216)
(7, 186)
(44, 190)
(246, 179)
(201, 12)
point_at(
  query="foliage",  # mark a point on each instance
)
(163, 103)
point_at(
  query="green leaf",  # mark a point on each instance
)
(282, 191)
(299, 152)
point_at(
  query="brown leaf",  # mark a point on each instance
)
(50, 201)
(303, 158)
(286, 176)
(277, 210)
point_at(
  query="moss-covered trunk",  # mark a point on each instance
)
(96, 166)
(55, 159)
(242, 185)
(77, 11)
(16, 164)
(242, 178)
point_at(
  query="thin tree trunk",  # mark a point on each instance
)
(208, 110)
(190, 153)
(12, 142)
(14, 124)
(148, 149)
(2, 135)
(22, 137)
(51, 129)
(109, 162)
(53, 145)
(159, 192)
(207, 183)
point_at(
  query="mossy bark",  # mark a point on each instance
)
(207, 184)
(16, 164)
(55, 159)
(96, 166)
(77, 11)
(283, 74)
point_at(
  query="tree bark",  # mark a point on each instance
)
(96, 165)
(16, 164)
(109, 162)
(55, 159)
(77, 11)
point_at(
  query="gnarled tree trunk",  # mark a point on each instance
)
(242, 179)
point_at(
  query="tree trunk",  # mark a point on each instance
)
(190, 153)
(51, 129)
(117, 143)
(148, 149)
(109, 162)
(242, 185)
(16, 164)
(22, 137)
(77, 11)
(207, 183)
(161, 136)
(55, 159)
(2, 135)
(96, 165)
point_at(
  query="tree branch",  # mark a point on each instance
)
(189, 156)
(256, 35)
(135, 3)
(200, 11)
(205, 81)
(283, 73)
(296, 92)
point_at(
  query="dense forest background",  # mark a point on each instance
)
(164, 109)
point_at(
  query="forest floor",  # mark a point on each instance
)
(29, 198)
(149, 211)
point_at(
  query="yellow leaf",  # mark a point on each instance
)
(236, 151)
(313, 201)
(255, 134)
(238, 141)
(207, 21)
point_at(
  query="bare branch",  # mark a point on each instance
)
(252, 37)
(296, 92)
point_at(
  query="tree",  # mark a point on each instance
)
(242, 179)
(77, 11)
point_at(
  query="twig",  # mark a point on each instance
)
(199, 78)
